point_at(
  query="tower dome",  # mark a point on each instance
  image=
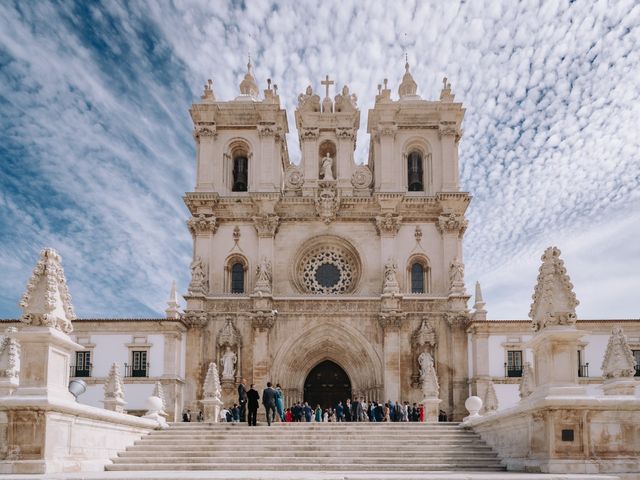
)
(408, 86)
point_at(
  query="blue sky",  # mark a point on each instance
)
(96, 149)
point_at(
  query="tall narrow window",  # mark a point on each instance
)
(417, 278)
(139, 365)
(82, 367)
(237, 278)
(240, 174)
(414, 172)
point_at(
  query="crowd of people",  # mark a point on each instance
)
(353, 410)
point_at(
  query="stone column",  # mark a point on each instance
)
(206, 160)
(391, 323)
(480, 361)
(390, 176)
(311, 165)
(459, 363)
(266, 226)
(449, 159)
(202, 228)
(262, 322)
(344, 160)
(196, 321)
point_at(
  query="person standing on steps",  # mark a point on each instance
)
(242, 399)
(280, 402)
(252, 404)
(269, 402)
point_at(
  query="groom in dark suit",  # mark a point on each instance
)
(253, 397)
(269, 402)
(242, 399)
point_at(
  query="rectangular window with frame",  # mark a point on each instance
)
(514, 363)
(82, 367)
(636, 356)
(139, 365)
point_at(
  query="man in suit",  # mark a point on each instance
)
(269, 402)
(252, 403)
(242, 399)
(339, 412)
(307, 411)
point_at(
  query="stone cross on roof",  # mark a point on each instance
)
(326, 82)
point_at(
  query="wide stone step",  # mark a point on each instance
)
(387, 460)
(321, 435)
(420, 467)
(376, 455)
(348, 449)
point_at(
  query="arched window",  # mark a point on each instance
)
(237, 278)
(417, 278)
(240, 173)
(415, 179)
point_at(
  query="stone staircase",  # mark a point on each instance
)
(364, 447)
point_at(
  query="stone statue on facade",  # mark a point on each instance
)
(326, 170)
(456, 277)
(229, 360)
(263, 277)
(346, 101)
(309, 101)
(199, 282)
(490, 399)
(527, 385)
(390, 283)
(428, 376)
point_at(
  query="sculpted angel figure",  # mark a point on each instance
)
(229, 360)
(326, 169)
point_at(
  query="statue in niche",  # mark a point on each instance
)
(428, 376)
(229, 360)
(390, 284)
(263, 276)
(326, 170)
(456, 271)
(199, 282)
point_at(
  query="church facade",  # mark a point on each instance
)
(328, 276)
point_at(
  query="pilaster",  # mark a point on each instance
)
(391, 323)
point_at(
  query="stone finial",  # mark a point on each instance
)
(526, 381)
(445, 93)
(172, 311)
(248, 86)
(479, 312)
(46, 301)
(114, 390)
(618, 359)
(212, 387)
(207, 95)
(554, 302)
(408, 86)
(490, 399)
(158, 391)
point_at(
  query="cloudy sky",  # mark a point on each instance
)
(96, 148)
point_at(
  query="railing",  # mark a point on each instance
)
(512, 370)
(82, 371)
(637, 371)
(141, 371)
(583, 370)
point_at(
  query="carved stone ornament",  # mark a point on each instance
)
(424, 336)
(263, 321)
(618, 359)
(263, 277)
(236, 234)
(362, 177)
(456, 319)
(212, 387)
(452, 223)
(310, 133)
(346, 101)
(9, 356)
(47, 301)
(308, 101)
(390, 281)
(294, 178)
(327, 256)
(268, 129)
(388, 224)
(229, 344)
(327, 201)
(428, 376)
(387, 129)
(266, 224)
(199, 278)
(202, 224)
(346, 133)
(554, 302)
(195, 318)
(527, 384)
(391, 320)
(418, 233)
(205, 129)
(490, 399)
(207, 95)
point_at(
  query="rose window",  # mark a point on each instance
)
(328, 270)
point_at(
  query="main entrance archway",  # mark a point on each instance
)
(326, 384)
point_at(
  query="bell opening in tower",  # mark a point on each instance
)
(414, 169)
(240, 174)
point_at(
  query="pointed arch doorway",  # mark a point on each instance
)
(326, 384)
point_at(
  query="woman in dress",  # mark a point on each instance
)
(318, 414)
(280, 402)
